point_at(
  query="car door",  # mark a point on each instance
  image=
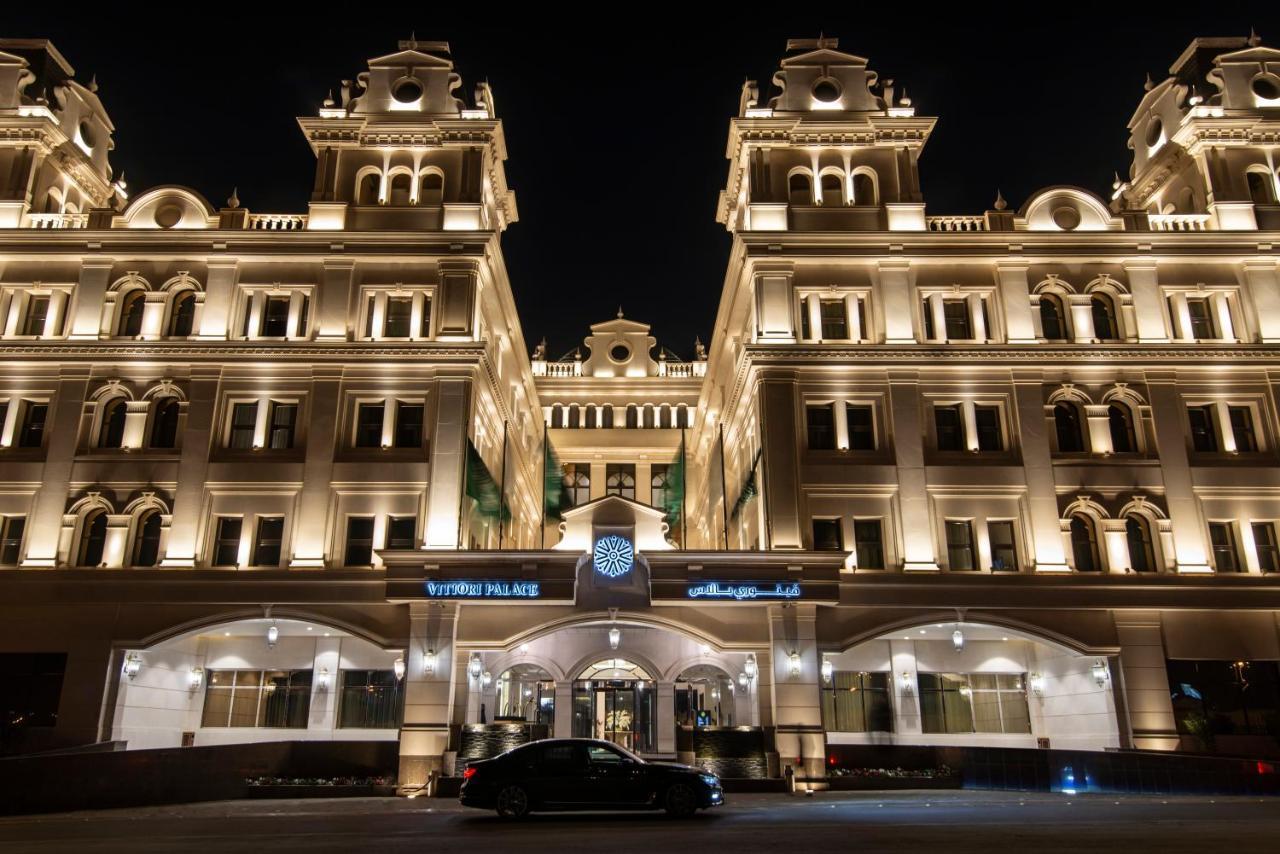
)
(616, 779)
(560, 776)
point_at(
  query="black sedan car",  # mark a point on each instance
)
(584, 774)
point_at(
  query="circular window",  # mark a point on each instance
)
(1066, 218)
(619, 352)
(1155, 132)
(613, 556)
(167, 216)
(826, 90)
(87, 135)
(1266, 87)
(406, 90)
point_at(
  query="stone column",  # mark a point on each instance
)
(219, 298)
(1015, 296)
(1261, 278)
(91, 290)
(665, 710)
(323, 715)
(1046, 547)
(906, 705)
(896, 300)
(428, 697)
(1169, 415)
(1099, 420)
(448, 453)
(63, 427)
(782, 483)
(1081, 309)
(813, 305)
(563, 725)
(1145, 680)
(198, 434)
(908, 449)
(1148, 305)
(797, 711)
(309, 528)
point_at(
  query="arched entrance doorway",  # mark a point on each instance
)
(614, 699)
(525, 692)
(705, 697)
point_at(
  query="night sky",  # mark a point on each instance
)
(616, 132)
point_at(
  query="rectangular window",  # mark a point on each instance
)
(1204, 436)
(620, 479)
(926, 316)
(1201, 318)
(868, 542)
(973, 702)
(862, 430)
(226, 543)
(1004, 552)
(949, 428)
(37, 314)
(1264, 543)
(369, 425)
(1241, 418)
(955, 313)
(283, 418)
(424, 327)
(267, 541)
(395, 323)
(31, 435)
(11, 528)
(1236, 697)
(275, 318)
(826, 535)
(835, 320)
(401, 531)
(370, 699)
(255, 698)
(359, 551)
(987, 421)
(408, 432)
(31, 689)
(960, 545)
(577, 483)
(1223, 541)
(244, 423)
(857, 702)
(821, 424)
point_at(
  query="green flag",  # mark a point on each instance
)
(553, 492)
(750, 489)
(481, 487)
(675, 489)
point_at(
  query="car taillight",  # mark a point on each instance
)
(468, 774)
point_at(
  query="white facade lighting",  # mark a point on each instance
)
(132, 664)
(828, 670)
(475, 667)
(794, 663)
(486, 678)
(749, 668)
(398, 667)
(957, 640)
(195, 678)
(429, 662)
(906, 682)
(615, 637)
(1100, 672)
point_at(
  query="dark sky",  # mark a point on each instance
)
(616, 131)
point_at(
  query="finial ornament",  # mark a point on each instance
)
(1254, 38)
(619, 312)
(699, 348)
(93, 83)
(233, 201)
(1149, 85)
(1000, 204)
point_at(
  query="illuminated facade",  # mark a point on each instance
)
(1004, 479)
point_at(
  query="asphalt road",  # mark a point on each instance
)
(828, 822)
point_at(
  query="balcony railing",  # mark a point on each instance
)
(57, 220)
(1179, 222)
(277, 222)
(956, 223)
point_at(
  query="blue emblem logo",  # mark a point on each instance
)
(613, 556)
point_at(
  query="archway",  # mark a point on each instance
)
(525, 692)
(705, 697)
(257, 679)
(614, 699)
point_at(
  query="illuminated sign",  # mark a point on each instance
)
(743, 591)
(482, 589)
(613, 556)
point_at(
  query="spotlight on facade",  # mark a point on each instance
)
(794, 660)
(132, 664)
(957, 640)
(273, 635)
(195, 678)
(429, 662)
(322, 679)
(828, 670)
(398, 667)
(475, 667)
(1100, 672)
(749, 668)
(1036, 683)
(615, 637)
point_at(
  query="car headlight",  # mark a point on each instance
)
(710, 779)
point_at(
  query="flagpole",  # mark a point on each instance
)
(684, 495)
(462, 490)
(502, 490)
(542, 524)
(724, 490)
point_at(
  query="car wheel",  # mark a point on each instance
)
(680, 801)
(513, 802)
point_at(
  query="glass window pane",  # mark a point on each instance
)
(821, 427)
(409, 418)
(826, 535)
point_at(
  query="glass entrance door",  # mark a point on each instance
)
(621, 711)
(615, 714)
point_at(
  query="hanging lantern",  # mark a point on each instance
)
(794, 659)
(742, 680)
(475, 667)
(273, 635)
(398, 667)
(615, 637)
(1100, 672)
(132, 664)
(957, 640)
(828, 670)
(749, 668)
(195, 678)
(429, 661)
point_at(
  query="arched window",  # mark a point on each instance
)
(620, 480)
(1142, 555)
(832, 191)
(1262, 190)
(1066, 421)
(131, 310)
(633, 416)
(93, 538)
(431, 190)
(591, 417)
(1124, 439)
(146, 540)
(649, 416)
(1053, 320)
(574, 416)
(1084, 545)
(607, 420)
(400, 183)
(367, 189)
(111, 427)
(164, 423)
(864, 189)
(1105, 327)
(799, 191)
(183, 317)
